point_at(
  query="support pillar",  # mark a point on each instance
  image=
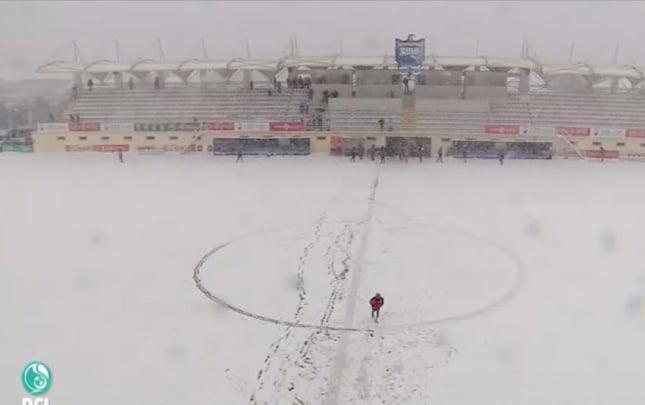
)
(118, 80)
(202, 79)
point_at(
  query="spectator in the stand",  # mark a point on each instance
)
(306, 108)
(72, 118)
(420, 152)
(372, 152)
(130, 84)
(325, 98)
(307, 82)
(302, 107)
(361, 151)
(74, 91)
(157, 83)
(440, 154)
(310, 94)
(269, 92)
(90, 84)
(51, 117)
(334, 94)
(353, 154)
(602, 154)
(381, 123)
(289, 83)
(251, 84)
(278, 86)
(78, 117)
(406, 85)
(301, 83)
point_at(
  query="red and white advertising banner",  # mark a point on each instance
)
(597, 154)
(336, 142)
(286, 126)
(118, 127)
(251, 126)
(97, 148)
(635, 133)
(502, 129)
(609, 132)
(218, 126)
(53, 127)
(574, 131)
(84, 126)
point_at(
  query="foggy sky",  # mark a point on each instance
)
(34, 32)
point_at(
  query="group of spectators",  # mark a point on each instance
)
(326, 95)
(403, 151)
(299, 83)
(74, 118)
(157, 84)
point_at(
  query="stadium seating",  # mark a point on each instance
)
(603, 110)
(185, 103)
(513, 111)
(451, 122)
(339, 120)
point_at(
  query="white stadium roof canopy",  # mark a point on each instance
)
(273, 66)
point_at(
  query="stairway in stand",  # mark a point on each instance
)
(409, 121)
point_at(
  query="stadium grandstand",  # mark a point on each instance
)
(331, 104)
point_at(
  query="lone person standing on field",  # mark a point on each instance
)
(376, 302)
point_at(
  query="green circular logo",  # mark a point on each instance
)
(37, 378)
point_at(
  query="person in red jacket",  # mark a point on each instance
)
(376, 302)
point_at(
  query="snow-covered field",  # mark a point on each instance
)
(514, 285)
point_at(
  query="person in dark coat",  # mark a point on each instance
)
(376, 302)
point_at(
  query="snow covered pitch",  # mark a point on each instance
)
(171, 280)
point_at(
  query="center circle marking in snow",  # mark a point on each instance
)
(503, 298)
